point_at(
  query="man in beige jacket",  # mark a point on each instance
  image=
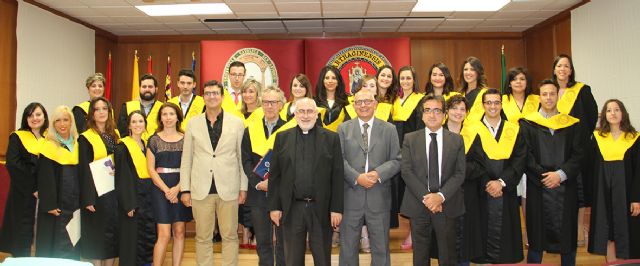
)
(211, 176)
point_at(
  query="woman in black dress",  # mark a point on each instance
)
(16, 235)
(615, 220)
(133, 184)
(164, 154)
(99, 211)
(58, 189)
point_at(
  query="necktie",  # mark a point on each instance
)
(434, 181)
(365, 138)
(235, 97)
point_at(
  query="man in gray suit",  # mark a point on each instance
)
(371, 156)
(433, 167)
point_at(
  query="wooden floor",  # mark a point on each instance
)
(399, 257)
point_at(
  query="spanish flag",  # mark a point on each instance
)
(167, 80)
(135, 80)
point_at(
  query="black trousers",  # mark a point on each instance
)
(445, 230)
(302, 219)
(263, 228)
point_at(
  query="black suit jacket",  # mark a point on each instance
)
(414, 173)
(328, 172)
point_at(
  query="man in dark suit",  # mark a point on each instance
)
(433, 166)
(306, 186)
(256, 143)
(371, 155)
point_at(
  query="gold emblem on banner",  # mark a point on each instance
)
(258, 65)
(356, 60)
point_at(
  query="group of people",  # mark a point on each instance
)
(316, 171)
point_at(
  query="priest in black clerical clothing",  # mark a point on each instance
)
(554, 144)
(306, 186)
(257, 142)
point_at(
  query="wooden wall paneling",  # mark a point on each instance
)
(563, 36)
(8, 42)
(540, 53)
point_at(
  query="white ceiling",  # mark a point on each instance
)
(120, 17)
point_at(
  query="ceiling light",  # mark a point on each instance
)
(185, 9)
(458, 5)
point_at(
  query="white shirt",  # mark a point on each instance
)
(185, 106)
(232, 92)
(439, 140)
(493, 130)
(366, 155)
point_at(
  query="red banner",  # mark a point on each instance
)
(268, 61)
(355, 57)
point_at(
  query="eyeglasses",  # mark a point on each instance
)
(307, 111)
(270, 103)
(211, 93)
(494, 103)
(436, 111)
(363, 102)
(235, 75)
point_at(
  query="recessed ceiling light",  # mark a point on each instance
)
(459, 5)
(185, 9)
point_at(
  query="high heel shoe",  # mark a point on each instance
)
(365, 247)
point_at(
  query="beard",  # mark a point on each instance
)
(148, 96)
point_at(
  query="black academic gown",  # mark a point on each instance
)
(552, 214)
(99, 228)
(16, 234)
(80, 117)
(616, 185)
(138, 233)
(58, 188)
(496, 219)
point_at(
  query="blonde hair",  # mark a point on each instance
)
(58, 113)
(93, 78)
(245, 86)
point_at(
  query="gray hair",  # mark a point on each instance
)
(278, 91)
(305, 100)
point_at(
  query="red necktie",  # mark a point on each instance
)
(235, 97)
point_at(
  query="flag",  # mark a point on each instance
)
(135, 85)
(107, 89)
(167, 80)
(149, 65)
(193, 67)
(503, 80)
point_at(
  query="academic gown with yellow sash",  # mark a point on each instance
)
(229, 106)
(133, 185)
(474, 98)
(99, 228)
(547, 152)
(58, 188)
(257, 114)
(496, 221)
(152, 117)
(16, 233)
(616, 179)
(512, 111)
(196, 107)
(255, 145)
(332, 117)
(285, 114)
(80, 112)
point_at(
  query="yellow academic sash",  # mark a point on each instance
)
(84, 106)
(565, 104)
(511, 110)
(57, 153)
(555, 122)
(29, 141)
(451, 94)
(152, 118)
(138, 158)
(402, 112)
(285, 111)
(383, 111)
(497, 150)
(196, 107)
(229, 106)
(260, 144)
(333, 126)
(99, 149)
(468, 136)
(257, 114)
(477, 110)
(613, 150)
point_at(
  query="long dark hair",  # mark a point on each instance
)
(305, 82)
(572, 77)
(321, 91)
(477, 66)
(110, 125)
(178, 114)
(413, 74)
(392, 92)
(144, 118)
(28, 111)
(512, 75)
(448, 80)
(625, 122)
